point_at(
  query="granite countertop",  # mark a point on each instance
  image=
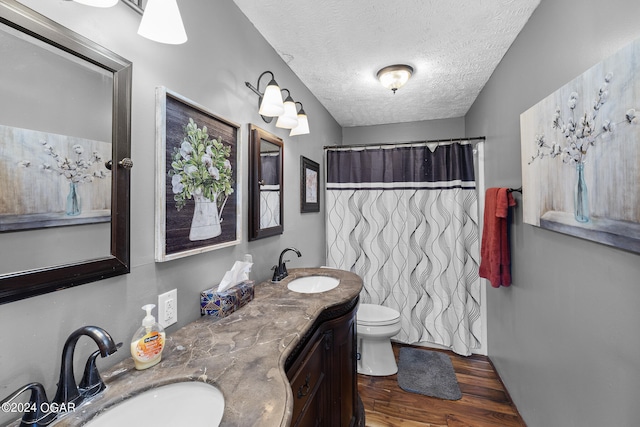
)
(242, 354)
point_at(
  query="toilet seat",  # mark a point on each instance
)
(376, 315)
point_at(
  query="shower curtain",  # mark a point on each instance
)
(405, 219)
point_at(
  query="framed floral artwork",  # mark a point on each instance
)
(581, 155)
(309, 185)
(197, 205)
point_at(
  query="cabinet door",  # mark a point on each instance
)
(323, 377)
(341, 371)
(308, 385)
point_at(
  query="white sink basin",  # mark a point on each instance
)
(178, 404)
(313, 284)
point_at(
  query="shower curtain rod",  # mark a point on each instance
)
(431, 141)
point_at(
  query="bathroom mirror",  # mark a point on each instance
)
(65, 119)
(265, 184)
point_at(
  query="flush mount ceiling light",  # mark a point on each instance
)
(161, 22)
(395, 76)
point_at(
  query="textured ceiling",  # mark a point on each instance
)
(336, 47)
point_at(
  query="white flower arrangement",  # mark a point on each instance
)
(76, 169)
(582, 133)
(200, 166)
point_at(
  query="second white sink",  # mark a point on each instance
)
(178, 404)
(313, 284)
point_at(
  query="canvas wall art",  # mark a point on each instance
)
(197, 205)
(51, 180)
(581, 155)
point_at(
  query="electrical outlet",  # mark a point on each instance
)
(168, 308)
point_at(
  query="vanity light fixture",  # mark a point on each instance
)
(395, 76)
(289, 119)
(270, 103)
(303, 123)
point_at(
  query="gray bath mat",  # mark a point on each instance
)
(427, 372)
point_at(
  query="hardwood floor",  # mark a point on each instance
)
(484, 403)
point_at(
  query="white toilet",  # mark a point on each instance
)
(376, 325)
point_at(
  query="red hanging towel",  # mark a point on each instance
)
(495, 257)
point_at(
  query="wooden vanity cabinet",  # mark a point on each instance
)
(322, 372)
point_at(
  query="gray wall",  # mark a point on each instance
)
(224, 50)
(404, 132)
(564, 336)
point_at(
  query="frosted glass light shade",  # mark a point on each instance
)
(161, 22)
(272, 105)
(303, 125)
(98, 3)
(289, 119)
(395, 76)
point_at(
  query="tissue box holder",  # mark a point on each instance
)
(222, 304)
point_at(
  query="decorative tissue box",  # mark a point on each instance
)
(222, 304)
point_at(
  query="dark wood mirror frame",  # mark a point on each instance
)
(256, 136)
(25, 284)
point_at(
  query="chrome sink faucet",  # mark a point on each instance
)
(280, 270)
(68, 391)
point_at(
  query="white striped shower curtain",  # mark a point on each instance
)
(405, 219)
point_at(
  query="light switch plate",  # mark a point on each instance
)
(168, 308)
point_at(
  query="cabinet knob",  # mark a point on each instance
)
(126, 163)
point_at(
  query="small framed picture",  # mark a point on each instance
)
(309, 185)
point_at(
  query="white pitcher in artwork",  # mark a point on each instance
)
(201, 170)
(206, 219)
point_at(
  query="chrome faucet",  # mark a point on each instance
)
(68, 391)
(280, 270)
(38, 413)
